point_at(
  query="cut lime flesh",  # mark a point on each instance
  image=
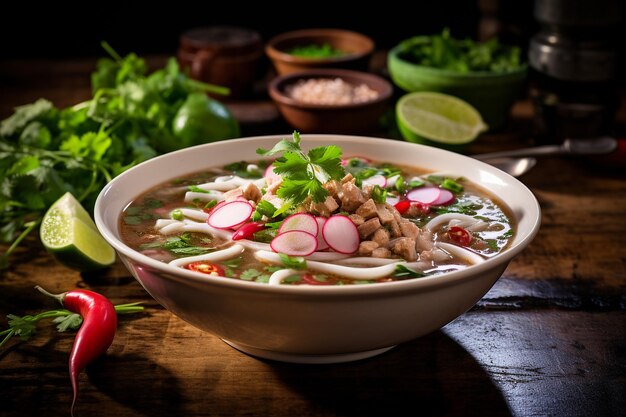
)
(68, 233)
(439, 118)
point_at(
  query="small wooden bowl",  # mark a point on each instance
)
(358, 50)
(329, 118)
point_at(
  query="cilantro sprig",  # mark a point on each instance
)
(304, 174)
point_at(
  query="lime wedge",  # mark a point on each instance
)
(439, 118)
(70, 235)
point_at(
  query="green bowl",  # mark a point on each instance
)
(492, 94)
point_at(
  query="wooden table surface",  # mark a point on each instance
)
(547, 340)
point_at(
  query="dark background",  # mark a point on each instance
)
(66, 31)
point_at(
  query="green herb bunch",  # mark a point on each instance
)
(46, 151)
(460, 55)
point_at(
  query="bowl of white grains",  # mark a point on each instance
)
(331, 100)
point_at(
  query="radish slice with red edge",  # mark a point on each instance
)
(392, 200)
(341, 234)
(294, 243)
(230, 215)
(376, 180)
(269, 172)
(300, 221)
(425, 195)
(321, 243)
(445, 197)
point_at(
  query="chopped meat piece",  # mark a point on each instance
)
(424, 241)
(367, 210)
(351, 197)
(273, 185)
(381, 253)
(410, 229)
(366, 247)
(434, 254)
(369, 227)
(381, 236)
(322, 209)
(394, 229)
(384, 214)
(417, 209)
(396, 215)
(232, 195)
(405, 248)
(348, 178)
(356, 219)
(252, 192)
(333, 188)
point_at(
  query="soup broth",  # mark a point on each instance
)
(378, 223)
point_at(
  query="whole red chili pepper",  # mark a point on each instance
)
(95, 334)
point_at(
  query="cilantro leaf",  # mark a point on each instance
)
(293, 262)
(70, 322)
(304, 175)
(403, 271)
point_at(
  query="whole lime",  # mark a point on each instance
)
(202, 119)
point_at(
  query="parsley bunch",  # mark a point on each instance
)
(304, 174)
(46, 151)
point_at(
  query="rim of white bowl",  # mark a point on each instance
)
(418, 284)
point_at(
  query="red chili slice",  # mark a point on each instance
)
(460, 235)
(206, 267)
(310, 279)
(403, 206)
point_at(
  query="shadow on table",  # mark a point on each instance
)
(430, 376)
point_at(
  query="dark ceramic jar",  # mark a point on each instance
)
(222, 55)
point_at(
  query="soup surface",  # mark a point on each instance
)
(317, 218)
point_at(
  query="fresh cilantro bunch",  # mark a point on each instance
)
(304, 174)
(46, 151)
(460, 55)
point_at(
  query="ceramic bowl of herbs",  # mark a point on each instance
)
(319, 48)
(488, 75)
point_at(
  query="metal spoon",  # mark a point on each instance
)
(517, 162)
(515, 167)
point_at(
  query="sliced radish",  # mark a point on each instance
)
(230, 215)
(294, 243)
(392, 200)
(376, 180)
(425, 195)
(341, 234)
(270, 174)
(445, 197)
(321, 243)
(300, 221)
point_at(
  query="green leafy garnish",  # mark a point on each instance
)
(379, 194)
(460, 55)
(403, 271)
(304, 174)
(293, 262)
(183, 245)
(46, 151)
(450, 184)
(263, 208)
(241, 170)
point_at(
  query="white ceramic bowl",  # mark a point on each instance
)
(314, 324)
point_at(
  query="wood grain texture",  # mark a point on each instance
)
(547, 340)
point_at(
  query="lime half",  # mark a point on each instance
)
(70, 235)
(439, 118)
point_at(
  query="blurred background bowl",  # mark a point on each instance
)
(331, 118)
(357, 50)
(492, 94)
